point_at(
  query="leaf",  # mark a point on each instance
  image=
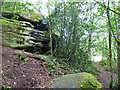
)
(99, 8)
(98, 15)
(99, 32)
(101, 12)
(30, 4)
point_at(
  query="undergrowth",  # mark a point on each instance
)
(106, 64)
(60, 66)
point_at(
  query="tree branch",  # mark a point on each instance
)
(109, 20)
(114, 11)
(106, 7)
(111, 27)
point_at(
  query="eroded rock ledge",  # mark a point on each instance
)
(21, 34)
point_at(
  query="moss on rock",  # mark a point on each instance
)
(79, 80)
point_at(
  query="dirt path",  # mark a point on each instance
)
(104, 76)
(18, 74)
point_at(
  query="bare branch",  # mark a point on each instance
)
(114, 11)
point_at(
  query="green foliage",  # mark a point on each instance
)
(21, 57)
(105, 63)
(53, 66)
(59, 66)
(115, 83)
(6, 87)
(65, 22)
(91, 68)
(7, 23)
(13, 6)
(23, 8)
(72, 23)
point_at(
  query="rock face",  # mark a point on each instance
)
(22, 35)
(79, 80)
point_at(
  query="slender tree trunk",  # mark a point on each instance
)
(90, 36)
(89, 42)
(110, 56)
(1, 3)
(102, 55)
(51, 52)
(118, 50)
(103, 50)
(115, 53)
(118, 44)
(111, 75)
(89, 45)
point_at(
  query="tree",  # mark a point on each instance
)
(70, 21)
(113, 30)
(90, 34)
(111, 75)
(117, 26)
(118, 54)
(51, 52)
(1, 3)
(118, 50)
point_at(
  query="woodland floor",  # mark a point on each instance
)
(17, 74)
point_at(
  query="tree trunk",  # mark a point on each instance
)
(102, 55)
(1, 3)
(51, 52)
(111, 75)
(110, 56)
(103, 50)
(118, 50)
(89, 45)
(118, 55)
(89, 42)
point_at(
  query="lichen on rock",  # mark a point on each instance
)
(21, 35)
(79, 80)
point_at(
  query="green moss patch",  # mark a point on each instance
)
(79, 80)
(8, 23)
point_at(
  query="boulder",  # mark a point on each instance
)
(78, 80)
